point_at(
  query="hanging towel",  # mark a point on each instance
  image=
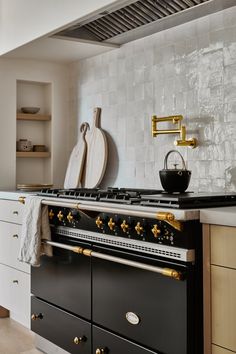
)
(35, 227)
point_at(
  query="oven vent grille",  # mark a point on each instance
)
(135, 245)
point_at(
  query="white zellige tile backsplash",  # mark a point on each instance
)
(188, 70)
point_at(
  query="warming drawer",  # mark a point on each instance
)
(67, 331)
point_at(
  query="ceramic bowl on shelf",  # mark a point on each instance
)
(31, 110)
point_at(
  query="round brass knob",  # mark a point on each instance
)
(70, 217)
(100, 351)
(60, 216)
(156, 231)
(139, 228)
(51, 214)
(78, 340)
(99, 222)
(111, 224)
(35, 316)
(124, 226)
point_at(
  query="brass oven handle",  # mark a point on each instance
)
(168, 272)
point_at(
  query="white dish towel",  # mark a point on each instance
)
(35, 227)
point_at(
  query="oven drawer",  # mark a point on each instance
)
(114, 344)
(64, 280)
(65, 330)
(146, 307)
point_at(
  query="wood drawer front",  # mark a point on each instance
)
(218, 350)
(223, 307)
(11, 211)
(115, 344)
(15, 290)
(60, 327)
(223, 245)
(10, 244)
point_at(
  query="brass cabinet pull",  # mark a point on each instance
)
(15, 212)
(35, 316)
(15, 236)
(168, 272)
(78, 340)
(15, 281)
(101, 351)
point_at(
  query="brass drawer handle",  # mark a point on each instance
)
(15, 281)
(15, 236)
(78, 340)
(35, 316)
(15, 212)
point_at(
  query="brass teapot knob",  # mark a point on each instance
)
(139, 228)
(51, 214)
(99, 222)
(111, 224)
(60, 216)
(124, 226)
(78, 340)
(35, 316)
(70, 217)
(156, 231)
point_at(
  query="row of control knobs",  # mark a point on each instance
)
(111, 223)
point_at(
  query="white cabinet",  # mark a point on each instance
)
(34, 167)
(14, 275)
(220, 289)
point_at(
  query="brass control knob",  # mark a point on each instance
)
(51, 214)
(111, 224)
(78, 340)
(70, 217)
(124, 226)
(60, 216)
(156, 231)
(35, 316)
(99, 222)
(139, 228)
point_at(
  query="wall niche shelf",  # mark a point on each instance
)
(34, 167)
(36, 117)
(43, 154)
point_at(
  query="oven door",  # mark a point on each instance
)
(151, 309)
(64, 280)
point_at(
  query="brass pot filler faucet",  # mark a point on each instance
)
(181, 130)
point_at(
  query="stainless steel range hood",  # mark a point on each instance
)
(138, 19)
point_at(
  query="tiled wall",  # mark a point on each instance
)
(188, 70)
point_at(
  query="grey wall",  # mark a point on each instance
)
(188, 70)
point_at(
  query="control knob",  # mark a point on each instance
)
(156, 231)
(51, 214)
(111, 224)
(70, 217)
(99, 222)
(124, 226)
(139, 228)
(60, 216)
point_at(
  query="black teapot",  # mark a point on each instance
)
(174, 180)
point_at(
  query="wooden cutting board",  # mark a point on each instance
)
(74, 172)
(97, 153)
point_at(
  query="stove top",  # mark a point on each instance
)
(144, 197)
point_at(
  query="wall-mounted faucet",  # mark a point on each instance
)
(181, 130)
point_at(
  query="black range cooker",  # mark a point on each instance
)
(126, 271)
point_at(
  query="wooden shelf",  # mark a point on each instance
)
(28, 116)
(33, 154)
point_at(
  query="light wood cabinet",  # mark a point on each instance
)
(14, 275)
(219, 289)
